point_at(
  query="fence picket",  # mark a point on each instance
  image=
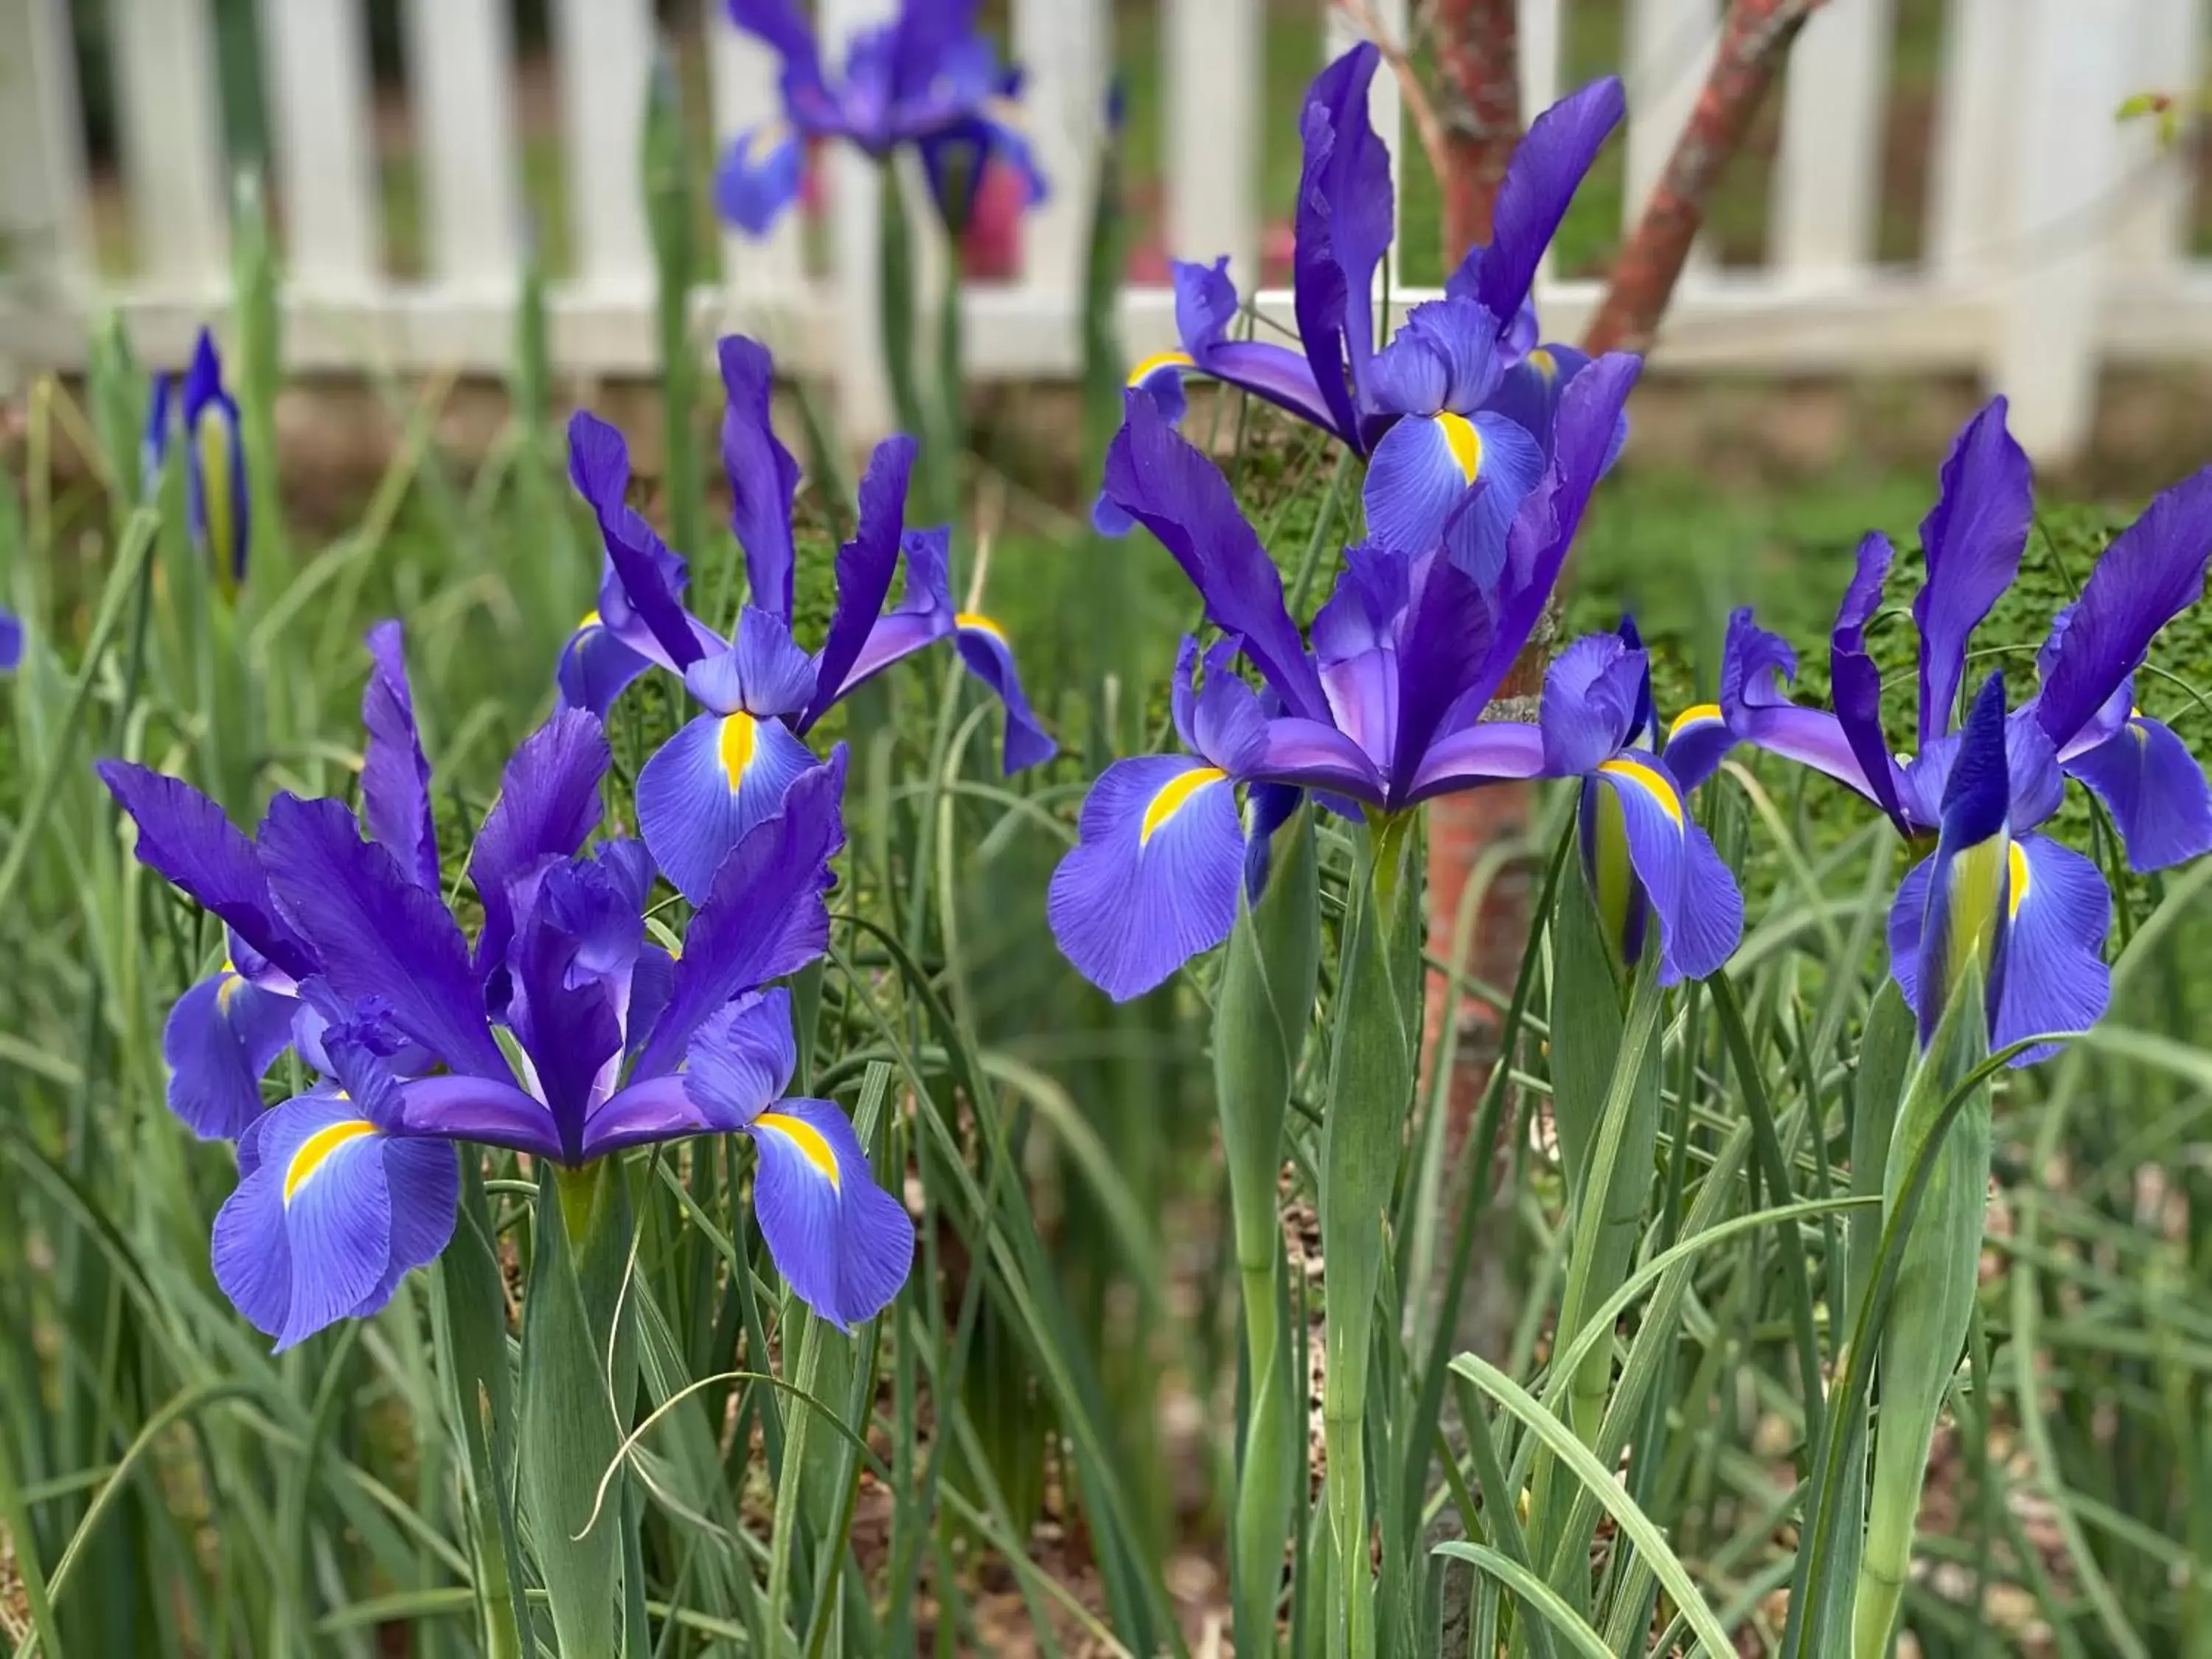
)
(1214, 53)
(318, 81)
(1061, 46)
(2169, 56)
(1827, 181)
(1668, 49)
(173, 154)
(606, 64)
(42, 182)
(767, 271)
(460, 63)
(1971, 167)
(856, 183)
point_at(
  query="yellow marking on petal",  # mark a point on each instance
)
(1544, 363)
(226, 988)
(2022, 879)
(1698, 713)
(762, 140)
(1152, 365)
(740, 733)
(813, 1146)
(975, 622)
(1652, 783)
(1464, 441)
(316, 1150)
(1174, 797)
(591, 619)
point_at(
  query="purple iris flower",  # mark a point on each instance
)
(1463, 393)
(11, 641)
(618, 1043)
(927, 78)
(728, 769)
(215, 459)
(225, 1033)
(2082, 722)
(1383, 712)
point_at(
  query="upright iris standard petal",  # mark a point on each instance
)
(1856, 683)
(184, 838)
(596, 667)
(842, 1242)
(330, 1218)
(1699, 909)
(759, 176)
(376, 935)
(1179, 496)
(706, 786)
(763, 673)
(395, 777)
(1153, 880)
(739, 1063)
(2154, 789)
(1974, 536)
(764, 477)
(2153, 571)
(1756, 667)
(216, 477)
(1343, 225)
(1970, 874)
(549, 799)
(866, 565)
(1546, 169)
(160, 433)
(599, 466)
(986, 654)
(221, 1036)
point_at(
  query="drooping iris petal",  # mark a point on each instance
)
(1153, 880)
(759, 176)
(376, 935)
(1546, 169)
(596, 667)
(184, 838)
(220, 1038)
(865, 567)
(1180, 496)
(11, 641)
(763, 916)
(763, 673)
(599, 466)
(842, 1242)
(1974, 536)
(1486, 449)
(708, 785)
(1485, 752)
(1529, 393)
(327, 1221)
(1697, 742)
(1315, 755)
(1756, 667)
(2153, 571)
(1589, 704)
(2154, 789)
(395, 777)
(1206, 308)
(1855, 683)
(2038, 787)
(1420, 469)
(491, 1111)
(549, 799)
(986, 654)
(764, 477)
(1699, 910)
(739, 1063)
(1343, 224)
(1969, 875)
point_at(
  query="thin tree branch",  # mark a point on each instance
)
(1427, 127)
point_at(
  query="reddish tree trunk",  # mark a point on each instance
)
(1754, 44)
(1479, 104)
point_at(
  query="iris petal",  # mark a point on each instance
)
(740, 1062)
(842, 1242)
(1485, 752)
(2155, 791)
(759, 176)
(761, 473)
(1699, 909)
(549, 799)
(865, 567)
(1546, 167)
(395, 777)
(221, 1036)
(1152, 881)
(708, 785)
(1973, 538)
(984, 650)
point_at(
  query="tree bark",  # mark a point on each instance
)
(1755, 44)
(1478, 103)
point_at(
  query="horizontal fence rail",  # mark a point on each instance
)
(2055, 239)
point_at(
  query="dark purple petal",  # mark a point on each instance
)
(1485, 752)
(842, 1242)
(763, 673)
(764, 914)
(595, 668)
(487, 1110)
(378, 936)
(1314, 755)
(184, 838)
(1699, 909)
(599, 466)
(395, 777)
(221, 1036)
(1444, 357)
(1343, 225)
(1548, 168)
(865, 567)
(1152, 881)
(1855, 682)
(1973, 538)
(763, 477)
(1206, 307)
(986, 654)
(2155, 791)
(1179, 496)
(549, 801)
(1968, 878)
(1443, 652)
(2153, 572)
(566, 1017)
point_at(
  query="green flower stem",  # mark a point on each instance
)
(1377, 1016)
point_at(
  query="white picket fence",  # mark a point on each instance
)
(2055, 244)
